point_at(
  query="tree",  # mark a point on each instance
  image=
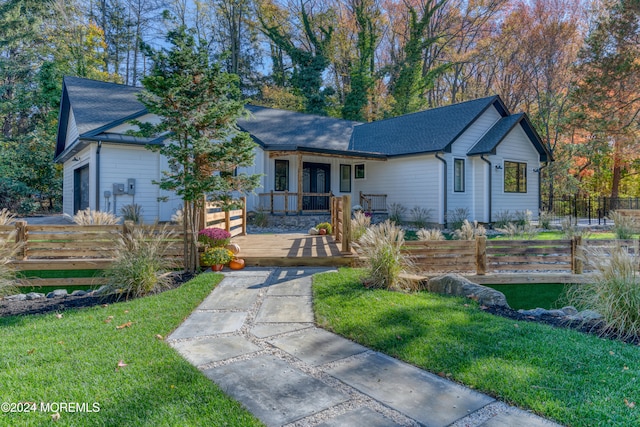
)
(608, 90)
(309, 61)
(366, 13)
(198, 105)
(412, 79)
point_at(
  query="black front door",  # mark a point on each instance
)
(80, 189)
(316, 178)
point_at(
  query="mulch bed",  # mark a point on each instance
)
(59, 304)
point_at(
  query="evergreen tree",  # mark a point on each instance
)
(198, 105)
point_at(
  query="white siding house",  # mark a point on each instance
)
(473, 157)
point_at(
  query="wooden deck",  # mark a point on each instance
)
(291, 250)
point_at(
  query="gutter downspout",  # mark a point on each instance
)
(546, 164)
(445, 188)
(98, 175)
(490, 187)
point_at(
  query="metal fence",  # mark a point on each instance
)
(593, 209)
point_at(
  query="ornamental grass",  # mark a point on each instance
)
(381, 248)
(140, 266)
(615, 291)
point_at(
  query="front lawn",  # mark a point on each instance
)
(113, 357)
(574, 378)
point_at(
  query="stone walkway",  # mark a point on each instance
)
(255, 337)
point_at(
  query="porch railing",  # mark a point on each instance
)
(373, 202)
(285, 202)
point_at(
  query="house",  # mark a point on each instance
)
(473, 156)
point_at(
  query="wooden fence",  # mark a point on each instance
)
(92, 247)
(341, 221)
(482, 256)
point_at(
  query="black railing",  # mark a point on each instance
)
(590, 208)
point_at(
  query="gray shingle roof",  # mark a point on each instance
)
(287, 130)
(495, 135)
(422, 132)
(98, 104)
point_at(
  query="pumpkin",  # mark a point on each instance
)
(236, 264)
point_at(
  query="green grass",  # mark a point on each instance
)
(529, 296)
(574, 378)
(74, 359)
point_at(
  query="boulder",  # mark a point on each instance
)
(34, 295)
(57, 293)
(454, 284)
(78, 293)
(314, 231)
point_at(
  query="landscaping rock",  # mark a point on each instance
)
(34, 295)
(570, 310)
(57, 293)
(536, 312)
(16, 297)
(556, 313)
(314, 231)
(78, 293)
(454, 284)
(102, 290)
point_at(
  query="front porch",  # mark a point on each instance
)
(294, 203)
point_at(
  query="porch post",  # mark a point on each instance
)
(299, 183)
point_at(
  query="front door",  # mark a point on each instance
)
(316, 178)
(80, 189)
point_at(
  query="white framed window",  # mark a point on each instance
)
(458, 175)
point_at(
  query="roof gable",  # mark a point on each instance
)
(426, 131)
(99, 104)
(490, 141)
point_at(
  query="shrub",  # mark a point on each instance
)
(544, 220)
(140, 266)
(396, 212)
(502, 219)
(456, 218)
(325, 226)
(624, 226)
(431, 234)
(522, 218)
(214, 237)
(8, 250)
(570, 228)
(381, 247)
(514, 231)
(469, 231)
(132, 213)
(420, 216)
(216, 256)
(89, 217)
(6, 217)
(359, 225)
(260, 218)
(615, 292)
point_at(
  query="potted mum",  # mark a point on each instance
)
(213, 237)
(324, 228)
(216, 258)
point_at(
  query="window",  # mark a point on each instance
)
(345, 178)
(359, 171)
(458, 175)
(515, 177)
(282, 175)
